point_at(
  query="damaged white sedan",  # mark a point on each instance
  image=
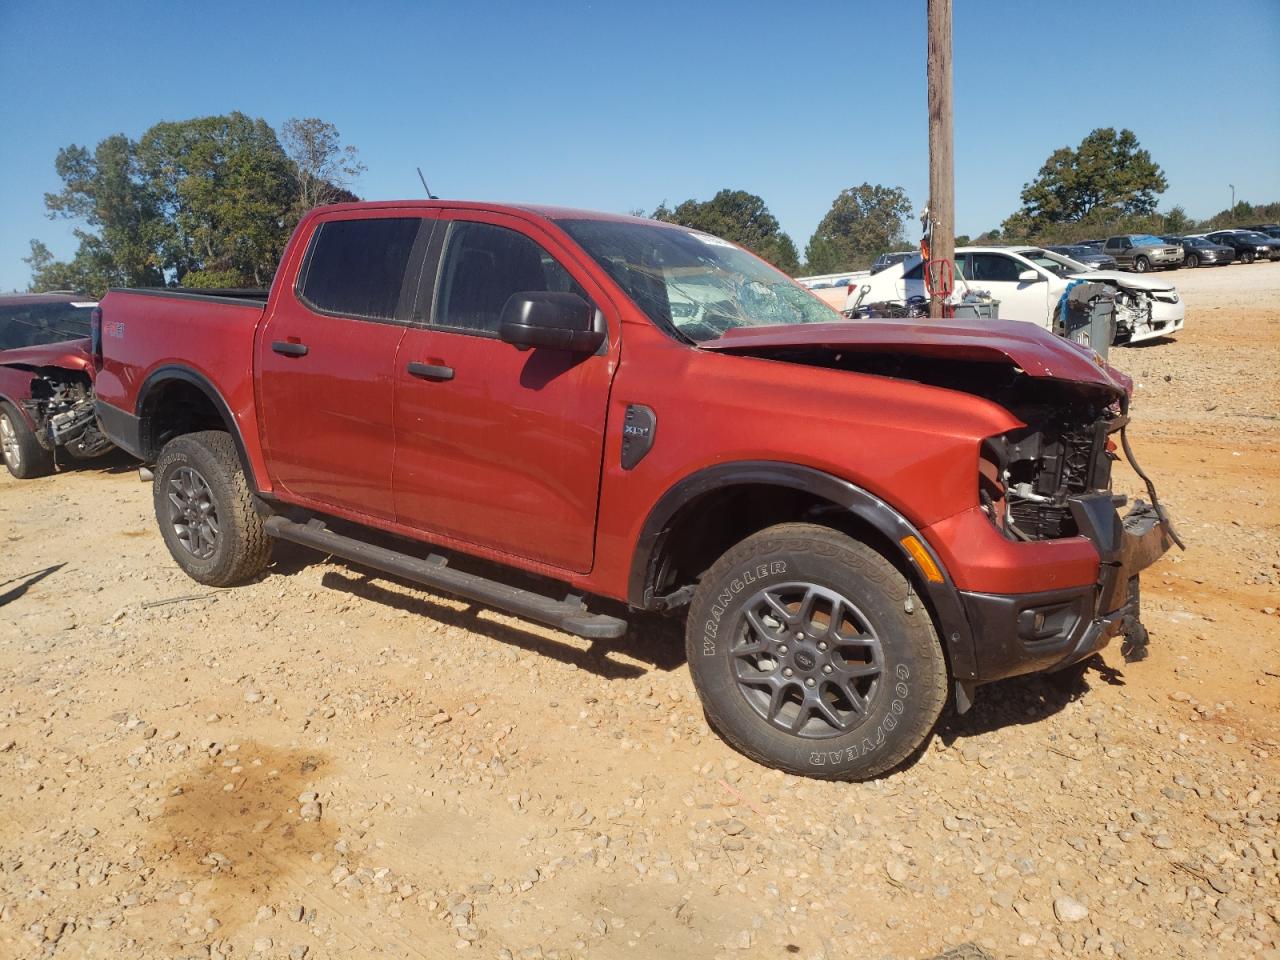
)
(1031, 285)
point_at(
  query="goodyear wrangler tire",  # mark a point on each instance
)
(206, 512)
(811, 655)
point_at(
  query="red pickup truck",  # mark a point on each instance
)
(859, 520)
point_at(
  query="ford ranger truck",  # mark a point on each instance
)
(858, 521)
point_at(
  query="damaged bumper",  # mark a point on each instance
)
(1046, 631)
(1163, 319)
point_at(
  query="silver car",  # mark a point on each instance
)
(1141, 252)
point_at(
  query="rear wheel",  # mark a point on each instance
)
(206, 511)
(1247, 256)
(1191, 261)
(23, 455)
(809, 656)
(1141, 264)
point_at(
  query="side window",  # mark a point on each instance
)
(483, 266)
(1112, 243)
(916, 272)
(355, 268)
(994, 268)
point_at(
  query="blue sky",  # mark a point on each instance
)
(617, 106)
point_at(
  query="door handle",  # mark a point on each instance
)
(287, 349)
(429, 371)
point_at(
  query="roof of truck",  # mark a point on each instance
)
(545, 211)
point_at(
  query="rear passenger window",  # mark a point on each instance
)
(483, 266)
(354, 268)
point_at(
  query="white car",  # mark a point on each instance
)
(1029, 282)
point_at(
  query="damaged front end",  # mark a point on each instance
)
(1146, 314)
(61, 408)
(1049, 480)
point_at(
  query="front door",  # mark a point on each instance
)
(998, 274)
(326, 357)
(496, 446)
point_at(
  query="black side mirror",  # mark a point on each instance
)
(557, 321)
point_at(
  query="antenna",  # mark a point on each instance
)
(430, 195)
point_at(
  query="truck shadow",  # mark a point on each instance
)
(1026, 700)
(652, 642)
(113, 462)
(598, 658)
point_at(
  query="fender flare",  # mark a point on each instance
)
(944, 598)
(175, 371)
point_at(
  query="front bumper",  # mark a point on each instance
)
(1034, 632)
(1165, 318)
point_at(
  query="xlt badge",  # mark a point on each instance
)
(638, 428)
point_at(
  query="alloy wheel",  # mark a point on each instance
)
(192, 512)
(807, 660)
(9, 442)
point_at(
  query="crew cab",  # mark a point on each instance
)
(857, 521)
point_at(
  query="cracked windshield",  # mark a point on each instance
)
(693, 284)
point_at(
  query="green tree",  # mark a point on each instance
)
(227, 189)
(740, 217)
(863, 222)
(103, 189)
(1108, 176)
(324, 169)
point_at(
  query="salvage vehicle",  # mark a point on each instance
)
(46, 393)
(1197, 251)
(886, 260)
(1030, 282)
(1271, 230)
(1250, 247)
(858, 521)
(1091, 257)
(1142, 252)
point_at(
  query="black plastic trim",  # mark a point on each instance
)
(288, 349)
(186, 374)
(429, 371)
(953, 624)
(121, 427)
(569, 614)
(1010, 646)
(246, 298)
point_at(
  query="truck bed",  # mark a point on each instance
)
(215, 346)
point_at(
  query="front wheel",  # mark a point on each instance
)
(1142, 265)
(206, 512)
(1247, 256)
(23, 455)
(811, 655)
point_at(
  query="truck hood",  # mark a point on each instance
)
(67, 355)
(1133, 281)
(1036, 352)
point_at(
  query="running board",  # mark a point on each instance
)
(569, 615)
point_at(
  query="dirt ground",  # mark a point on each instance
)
(326, 764)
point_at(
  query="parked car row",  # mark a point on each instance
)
(1142, 252)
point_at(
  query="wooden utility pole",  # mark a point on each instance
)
(942, 181)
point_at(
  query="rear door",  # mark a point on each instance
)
(326, 359)
(499, 447)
